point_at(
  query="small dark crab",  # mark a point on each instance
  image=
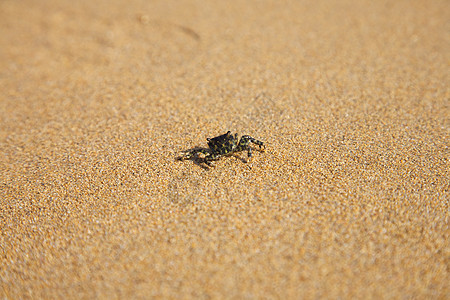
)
(222, 145)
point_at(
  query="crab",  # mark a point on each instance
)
(224, 145)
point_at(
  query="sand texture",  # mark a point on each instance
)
(350, 199)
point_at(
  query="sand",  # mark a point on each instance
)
(350, 200)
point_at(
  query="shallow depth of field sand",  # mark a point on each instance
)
(349, 200)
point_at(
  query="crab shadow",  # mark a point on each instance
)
(200, 161)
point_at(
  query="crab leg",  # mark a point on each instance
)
(195, 152)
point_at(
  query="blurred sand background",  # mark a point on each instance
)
(349, 200)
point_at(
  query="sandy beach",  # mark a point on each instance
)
(349, 200)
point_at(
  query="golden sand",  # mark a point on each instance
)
(349, 200)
